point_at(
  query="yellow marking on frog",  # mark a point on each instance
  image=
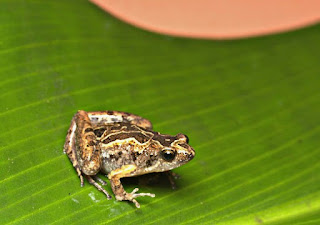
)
(122, 171)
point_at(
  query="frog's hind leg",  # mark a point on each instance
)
(92, 181)
(70, 148)
(88, 148)
(106, 117)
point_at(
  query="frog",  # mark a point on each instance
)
(120, 144)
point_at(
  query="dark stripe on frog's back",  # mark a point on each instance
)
(99, 131)
(109, 129)
(120, 131)
(163, 139)
(122, 135)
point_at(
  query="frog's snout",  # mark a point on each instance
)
(191, 154)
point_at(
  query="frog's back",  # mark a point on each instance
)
(120, 143)
(110, 117)
(116, 132)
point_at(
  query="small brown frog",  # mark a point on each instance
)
(121, 145)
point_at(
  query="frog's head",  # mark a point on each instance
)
(173, 152)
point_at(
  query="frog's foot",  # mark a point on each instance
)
(131, 196)
(79, 175)
(172, 177)
(98, 186)
(102, 182)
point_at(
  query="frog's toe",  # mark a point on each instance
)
(133, 193)
(94, 183)
(131, 196)
(81, 180)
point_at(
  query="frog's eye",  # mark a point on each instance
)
(168, 154)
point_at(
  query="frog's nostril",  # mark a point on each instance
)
(190, 156)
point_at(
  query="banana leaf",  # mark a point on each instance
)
(250, 108)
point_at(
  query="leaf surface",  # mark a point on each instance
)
(250, 108)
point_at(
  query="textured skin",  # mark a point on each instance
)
(121, 145)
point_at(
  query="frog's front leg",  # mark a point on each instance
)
(83, 149)
(117, 188)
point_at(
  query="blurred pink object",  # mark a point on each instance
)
(216, 19)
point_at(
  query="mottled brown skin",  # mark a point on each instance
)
(121, 145)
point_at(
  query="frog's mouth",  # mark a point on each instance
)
(165, 166)
(185, 156)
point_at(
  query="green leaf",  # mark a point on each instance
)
(250, 108)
